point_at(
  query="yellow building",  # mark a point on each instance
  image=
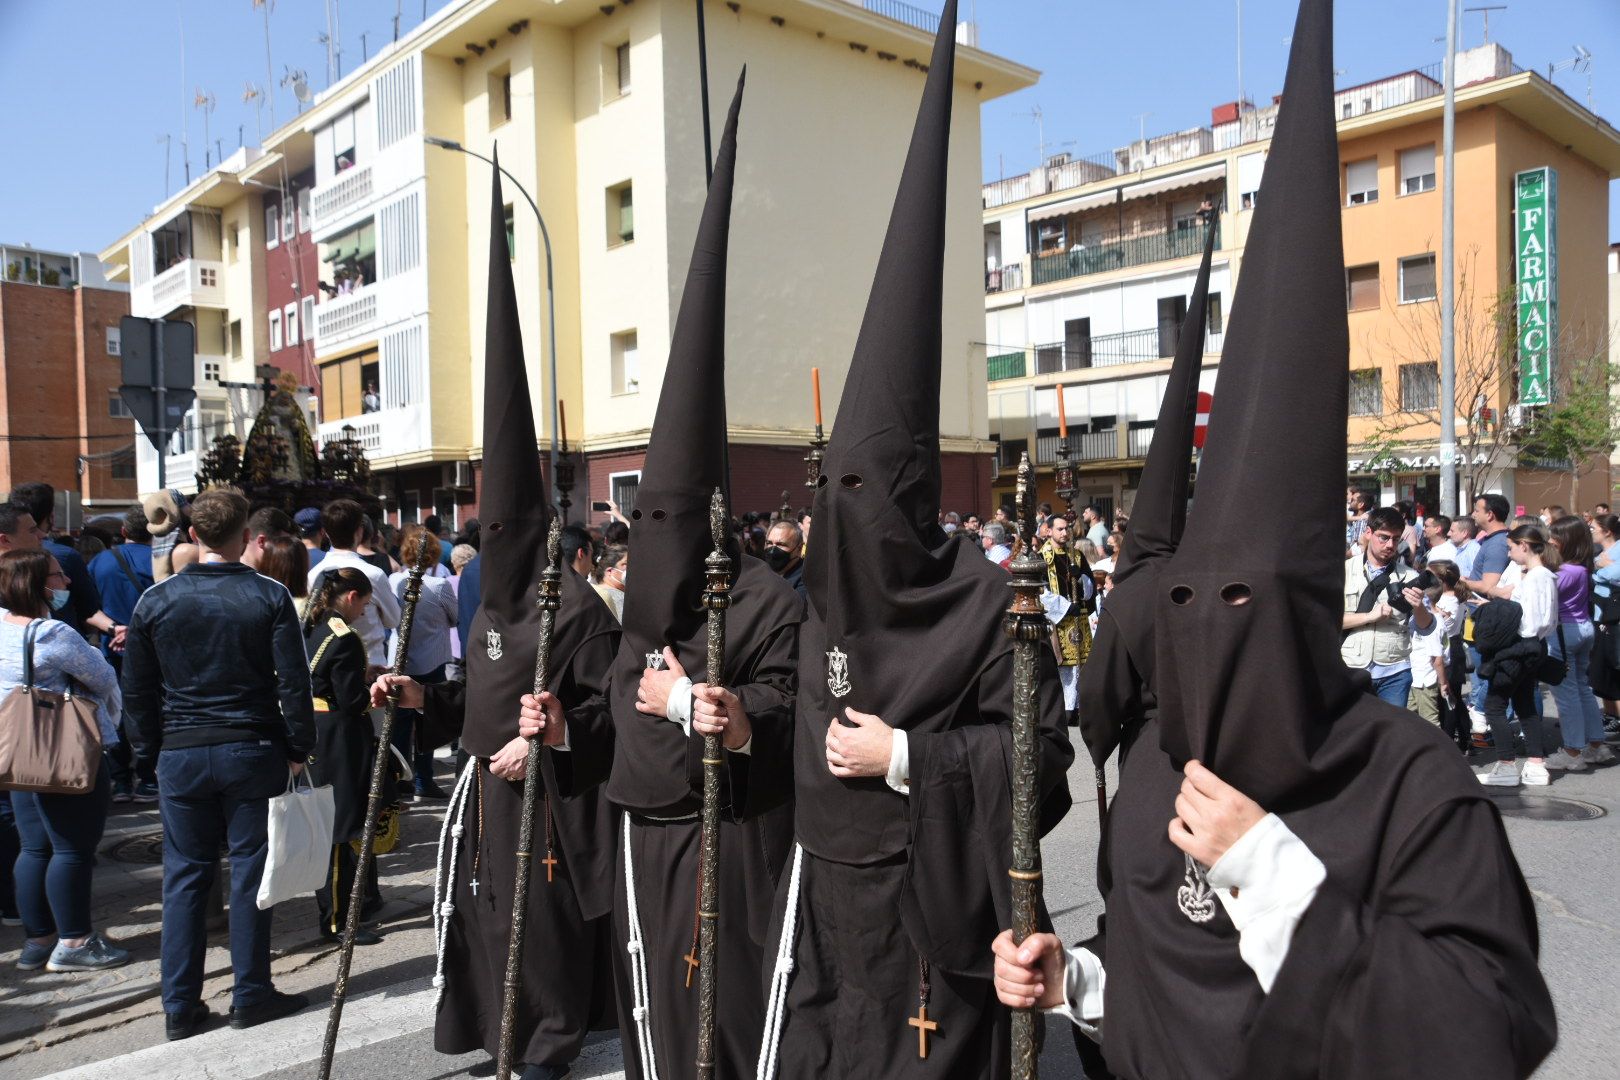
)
(1096, 257)
(351, 250)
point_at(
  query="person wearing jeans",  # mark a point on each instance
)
(216, 684)
(1580, 720)
(1377, 636)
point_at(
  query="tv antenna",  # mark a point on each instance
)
(1580, 64)
(206, 102)
(1041, 145)
(253, 94)
(1485, 12)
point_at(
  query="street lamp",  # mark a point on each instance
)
(551, 295)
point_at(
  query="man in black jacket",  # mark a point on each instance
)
(216, 688)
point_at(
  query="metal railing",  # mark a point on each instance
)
(1138, 441)
(902, 13)
(1102, 256)
(1085, 446)
(1005, 366)
(1004, 279)
(1255, 125)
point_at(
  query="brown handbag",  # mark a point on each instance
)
(50, 743)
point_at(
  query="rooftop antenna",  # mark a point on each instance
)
(297, 81)
(365, 51)
(253, 94)
(185, 117)
(1485, 11)
(397, 5)
(1141, 127)
(207, 103)
(1580, 64)
(1240, 58)
(167, 140)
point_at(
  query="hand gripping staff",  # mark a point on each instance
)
(1026, 625)
(716, 598)
(550, 601)
(374, 804)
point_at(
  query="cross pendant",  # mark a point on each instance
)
(923, 1026)
(474, 886)
(691, 966)
(551, 864)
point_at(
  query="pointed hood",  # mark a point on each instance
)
(686, 454)
(1249, 672)
(512, 498)
(1113, 694)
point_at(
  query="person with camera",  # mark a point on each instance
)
(59, 833)
(1383, 604)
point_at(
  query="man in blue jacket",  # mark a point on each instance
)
(217, 691)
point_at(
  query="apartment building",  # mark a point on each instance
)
(1089, 263)
(61, 419)
(350, 249)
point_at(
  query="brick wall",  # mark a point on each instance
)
(99, 373)
(38, 362)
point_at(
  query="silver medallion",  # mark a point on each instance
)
(1195, 898)
(655, 661)
(492, 644)
(838, 672)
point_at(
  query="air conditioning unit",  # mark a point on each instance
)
(463, 475)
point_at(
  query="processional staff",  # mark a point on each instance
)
(716, 598)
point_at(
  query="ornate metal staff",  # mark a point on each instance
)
(550, 601)
(716, 598)
(1026, 625)
(374, 804)
(1068, 489)
(818, 445)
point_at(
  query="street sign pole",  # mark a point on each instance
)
(162, 406)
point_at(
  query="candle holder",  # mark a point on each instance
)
(1066, 473)
(565, 483)
(812, 463)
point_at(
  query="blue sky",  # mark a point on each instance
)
(94, 86)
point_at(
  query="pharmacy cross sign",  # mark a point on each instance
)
(1535, 194)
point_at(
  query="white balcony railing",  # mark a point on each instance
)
(188, 283)
(180, 470)
(331, 201)
(383, 434)
(346, 316)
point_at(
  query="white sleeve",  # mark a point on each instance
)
(1266, 882)
(679, 706)
(899, 776)
(1083, 983)
(1056, 606)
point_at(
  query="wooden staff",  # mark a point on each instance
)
(374, 805)
(716, 598)
(1026, 625)
(550, 601)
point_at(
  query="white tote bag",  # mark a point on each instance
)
(300, 852)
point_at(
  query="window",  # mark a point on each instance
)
(308, 304)
(626, 364)
(621, 216)
(1420, 387)
(343, 142)
(1361, 182)
(1077, 342)
(622, 488)
(211, 371)
(1366, 393)
(349, 259)
(303, 209)
(116, 407)
(1417, 170)
(208, 277)
(511, 232)
(272, 224)
(1172, 310)
(289, 316)
(115, 341)
(241, 240)
(1251, 167)
(275, 330)
(236, 339)
(345, 384)
(1361, 287)
(500, 96)
(1214, 322)
(1011, 451)
(1417, 279)
(621, 59)
(123, 466)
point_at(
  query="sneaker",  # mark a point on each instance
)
(95, 954)
(10, 918)
(429, 789)
(1559, 761)
(146, 793)
(1597, 755)
(1535, 773)
(273, 1007)
(185, 1024)
(1501, 774)
(1477, 721)
(34, 955)
(123, 791)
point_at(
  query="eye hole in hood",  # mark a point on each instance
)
(1236, 594)
(851, 480)
(1181, 595)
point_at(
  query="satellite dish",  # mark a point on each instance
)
(300, 91)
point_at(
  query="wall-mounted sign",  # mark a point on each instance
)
(1535, 200)
(1417, 462)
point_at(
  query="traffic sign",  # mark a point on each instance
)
(1201, 426)
(158, 361)
(142, 401)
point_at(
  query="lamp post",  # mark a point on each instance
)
(551, 292)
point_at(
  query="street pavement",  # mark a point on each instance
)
(110, 1025)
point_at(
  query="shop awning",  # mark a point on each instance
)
(1074, 206)
(1179, 180)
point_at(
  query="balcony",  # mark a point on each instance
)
(188, 283)
(180, 470)
(1100, 257)
(346, 316)
(1007, 279)
(1087, 446)
(1138, 440)
(386, 434)
(1006, 366)
(1081, 354)
(330, 203)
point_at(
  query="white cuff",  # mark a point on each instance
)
(899, 776)
(745, 748)
(1266, 882)
(679, 706)
(1083, 983)
(1056, 606)
(566, 744)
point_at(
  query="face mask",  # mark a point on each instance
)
(60, 598)
(624, 579)
(777, 559)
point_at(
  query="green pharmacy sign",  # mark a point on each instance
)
(1535, 193)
